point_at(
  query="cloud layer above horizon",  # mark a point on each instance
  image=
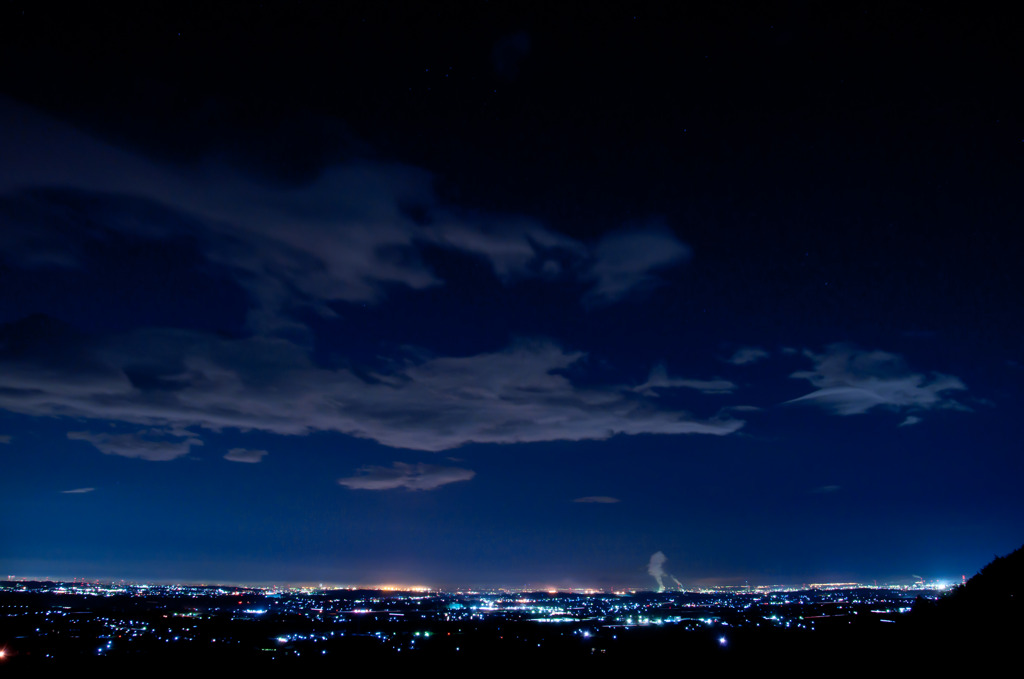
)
(353, 234)
(171, 380)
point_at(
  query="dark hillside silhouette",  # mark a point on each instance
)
(996, 589)
(978, 623)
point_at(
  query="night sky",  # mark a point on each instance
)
(481, 294)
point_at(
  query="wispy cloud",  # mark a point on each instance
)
(77, 491)
(598, 499)
(626, 260)
(409, 476)
(348, 234)
(5, 438)
(851, 381)
(352, 232)
(826, 489)
(178, 380)
(244, 455)
(748, 355)
(151, 445)
(659, 379)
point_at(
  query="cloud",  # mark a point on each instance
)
(748, 355)
(410, 476)
(243, 455)
(851, 381)
(5, 438)
(659, 379)
(140, 445)
(177, 380)
(516, 247)
(625, 260)
(826, 489)
(77, 491)
(910, 419)
(349, 234)
(598, 499)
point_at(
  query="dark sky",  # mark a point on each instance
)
(501, 294)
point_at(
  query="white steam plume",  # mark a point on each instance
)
(656, 567)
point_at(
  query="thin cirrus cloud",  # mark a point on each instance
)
(173, 381)
(151, 445)
(598, 500)
(245, 455)
(408, 476)
(626, 260)
(851, 381)
(345, 236)
(748, 355)
(77, 491)
(660, 379)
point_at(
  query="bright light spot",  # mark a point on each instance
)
(721, 641)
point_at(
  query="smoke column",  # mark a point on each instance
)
(655, 568)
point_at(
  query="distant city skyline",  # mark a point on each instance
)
(112, 586)
(710, 584)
